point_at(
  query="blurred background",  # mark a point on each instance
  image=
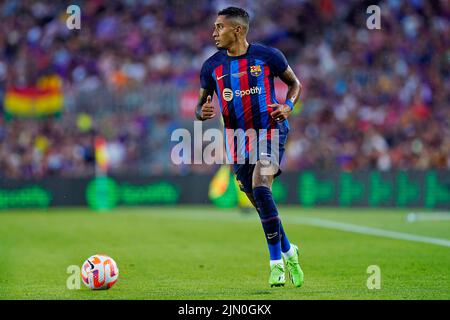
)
(372, 100)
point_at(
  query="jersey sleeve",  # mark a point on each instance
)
(206, 79)
(278, 62)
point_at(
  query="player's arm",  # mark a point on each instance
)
(204, 109)
(294, 85)
(294, 89)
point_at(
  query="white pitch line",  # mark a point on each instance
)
(368, 230)
(436, 216)
(329, 224)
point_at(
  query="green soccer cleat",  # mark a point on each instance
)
(294, 269)
(277, 278)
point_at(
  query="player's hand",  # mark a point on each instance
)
(208, 109)
(280, 111)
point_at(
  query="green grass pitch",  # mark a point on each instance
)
(207, 253)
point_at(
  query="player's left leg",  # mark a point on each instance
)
(277, 240)
(268, 213)
(285, 244)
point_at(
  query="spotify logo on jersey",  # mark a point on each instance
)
(227, 94)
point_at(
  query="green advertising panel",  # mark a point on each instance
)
(408, 189)
(352, 189)
(105, 193)
(437, 189)
(430, 189)
(315, 188)
(380, 189)
(26, 197)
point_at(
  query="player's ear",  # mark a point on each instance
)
(242, 29)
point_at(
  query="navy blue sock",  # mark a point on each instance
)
(285, 244)
(268, 215)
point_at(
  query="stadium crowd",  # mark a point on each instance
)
(372, 99)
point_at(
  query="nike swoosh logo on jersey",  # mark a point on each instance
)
(218, 78)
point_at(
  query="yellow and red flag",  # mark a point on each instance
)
(101, 154)
(46, 98)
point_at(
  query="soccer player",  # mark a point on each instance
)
(242, 76)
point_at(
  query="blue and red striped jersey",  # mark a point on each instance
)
(244, 85)
(245, 88)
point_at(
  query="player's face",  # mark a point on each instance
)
(225, 33)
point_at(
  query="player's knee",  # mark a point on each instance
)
(261, 182)
(262, 175)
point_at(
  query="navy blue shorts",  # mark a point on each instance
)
(244, 172)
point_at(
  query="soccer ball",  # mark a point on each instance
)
(99, 272)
